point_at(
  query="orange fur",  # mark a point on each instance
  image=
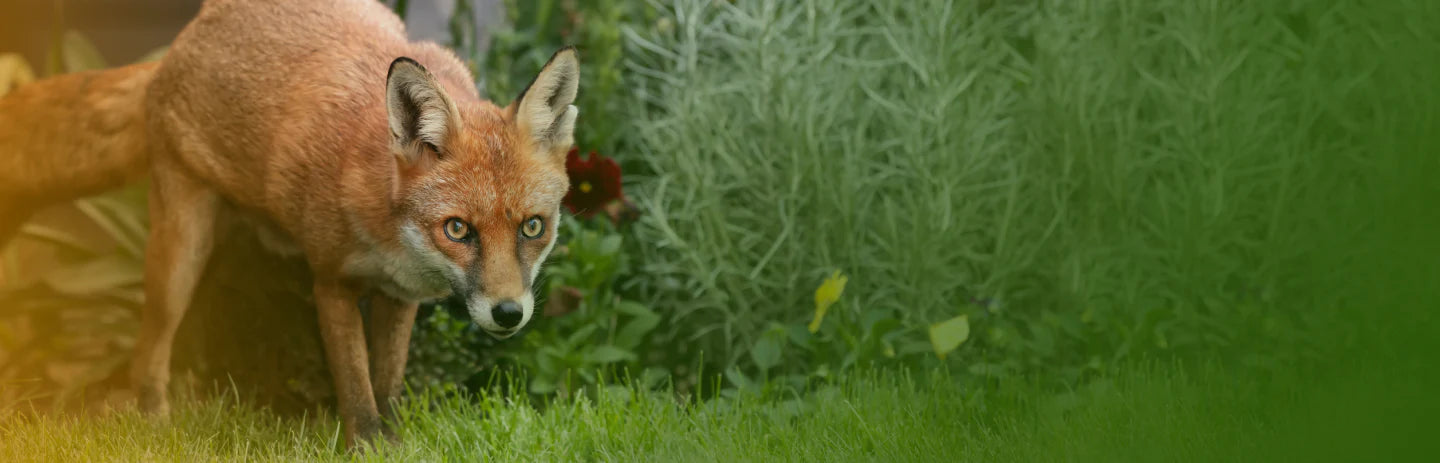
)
(41, 158)
(278, 109)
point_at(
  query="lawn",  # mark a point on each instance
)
(1151, 412)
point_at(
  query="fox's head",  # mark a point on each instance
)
(480, 187)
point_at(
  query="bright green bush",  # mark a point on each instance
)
(1087, 181)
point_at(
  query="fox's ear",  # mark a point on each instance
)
(545, 111)
(419, 110)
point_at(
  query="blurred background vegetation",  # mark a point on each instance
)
(1039, 189)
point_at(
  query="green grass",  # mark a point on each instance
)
(1154, 413)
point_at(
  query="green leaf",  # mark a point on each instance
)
(120, 226)
(635, 331)
(949, 334)
(57, 237)
(546, 363)
(767, 349)
(739, 379)
(609, 245)
(580, 336)
(609, 354)
(800, 336)
(79, 54)
(541, 386)
(653, 377)
(129, 215)
(96, 276)
(634, 308)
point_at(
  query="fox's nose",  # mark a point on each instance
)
(507, 314)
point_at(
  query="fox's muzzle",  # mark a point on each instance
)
(503, 318)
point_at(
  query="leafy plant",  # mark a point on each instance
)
(841, 339)
(588, 329)
(535, 29)
(1085, 183)
(447, 351)
(73, 324)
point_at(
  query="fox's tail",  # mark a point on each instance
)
(70, 136)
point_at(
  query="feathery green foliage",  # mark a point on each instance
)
(1088, 181)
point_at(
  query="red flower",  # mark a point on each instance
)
(594, 184)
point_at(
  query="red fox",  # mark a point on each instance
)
(319, 121)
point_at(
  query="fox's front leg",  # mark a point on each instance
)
(343, 330)
(390, 324)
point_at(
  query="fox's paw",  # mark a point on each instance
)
(151, 401)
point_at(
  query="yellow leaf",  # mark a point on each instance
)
(827, 295)
(14, 72)
(949, 334)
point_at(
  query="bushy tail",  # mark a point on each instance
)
(70, 136)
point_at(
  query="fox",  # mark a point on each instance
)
(372, 156)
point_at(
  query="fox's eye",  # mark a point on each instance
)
(457, 230)
(533, 228)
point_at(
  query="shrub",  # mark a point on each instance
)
(1085, 181)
